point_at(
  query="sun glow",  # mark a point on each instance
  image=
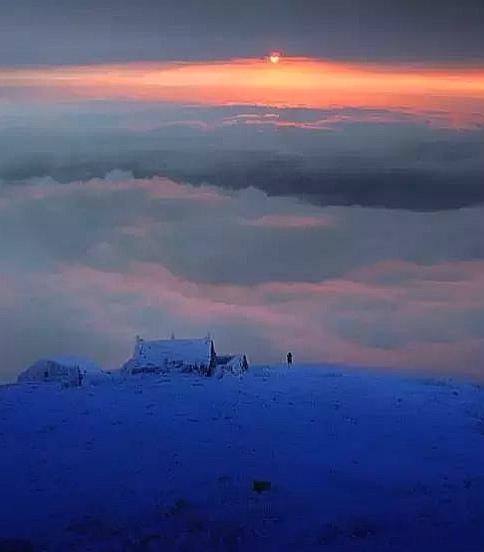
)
(275, 57)
(298, 82)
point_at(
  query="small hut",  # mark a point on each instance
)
(69, 371)
(233, 364)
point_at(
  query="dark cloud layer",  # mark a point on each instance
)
(280, 175)
(403, 164)
(68, 31)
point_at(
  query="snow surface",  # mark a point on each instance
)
(352, 460)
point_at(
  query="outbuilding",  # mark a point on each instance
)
(67, 370)
(232, 364)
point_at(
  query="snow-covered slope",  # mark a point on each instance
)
(345, 461)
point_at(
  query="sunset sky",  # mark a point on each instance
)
(159, 173)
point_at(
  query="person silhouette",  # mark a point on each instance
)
(289, 358)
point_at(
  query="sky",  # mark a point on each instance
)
(159, 174)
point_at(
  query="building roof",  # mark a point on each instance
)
(84, 364)
(187, 351)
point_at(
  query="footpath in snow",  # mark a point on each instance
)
(307, 458)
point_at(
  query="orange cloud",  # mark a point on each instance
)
(297, 82)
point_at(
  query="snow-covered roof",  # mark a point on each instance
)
(84, 364)
(187, 351)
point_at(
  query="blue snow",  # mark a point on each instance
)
(354, 460)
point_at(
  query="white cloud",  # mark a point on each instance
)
(87, 265)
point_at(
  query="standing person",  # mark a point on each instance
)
(289, 358)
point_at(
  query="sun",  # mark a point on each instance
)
(275, 57)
